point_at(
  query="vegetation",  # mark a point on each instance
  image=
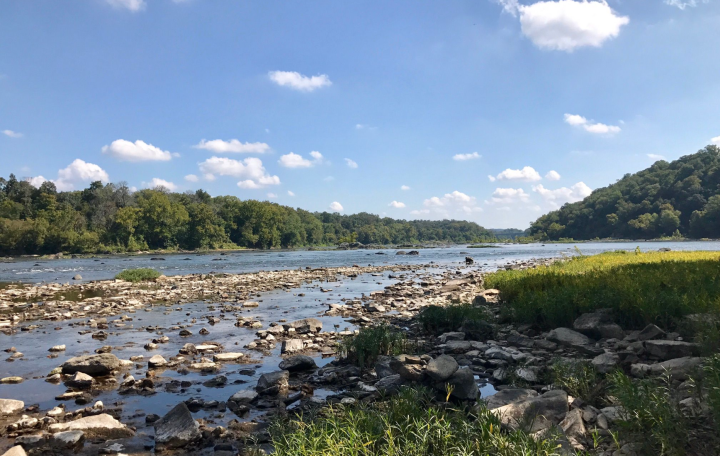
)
(579, 379)
(112, 218)
(407, 425)
(481, 246)
(641, 288)
(138, 275)
(472, 319)
(677, 199)
(364, 348)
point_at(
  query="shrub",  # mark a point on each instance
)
(364, 348)
(138, 275)
(471, 319)
(407, 425)
(711, 381)
(579, 379)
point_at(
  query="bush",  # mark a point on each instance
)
(138, 275)
(579, 379)
(471, 319)
(407, 425)
(364, 348)
(711, 381)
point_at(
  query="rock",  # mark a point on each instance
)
(390, 385)
(157, 361)
(650, 332)
(11, 380)
(382, 367)
(17, 450)
(304, 326)
(574, 428)
(177, 428)
(669, 349)
(573, 339)
(410, 372)
(227, 357)
(273, 383)
(452, 336)
(539, 412)
(95, 365)
(606, 362)
(489, 296)
(612, 414)
(291, 346)
(61, 442)
(11, 407)
(498, 353)
(464, 386)
(298, 363)
(101, 426)
(610, 331)
(57, 348)
(457, 346)
(249, 304)
(588, 323)
(530, 374)
(77, 277)
(508, 396)
(239, 403)
(441, 368)
(678, 368)
(81, 381)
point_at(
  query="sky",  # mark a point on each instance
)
(493, 111)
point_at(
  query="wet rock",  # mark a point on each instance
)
(291, 346)
(11, 407)
(80, 381)
(441, 368)
(94, 365)
(177, 428)
(298, 363)
(156, 362)
(650, 332)
(540, 412)
(204, 332)
(304, 326)
(216, 382)
(606, 362)
(101, 426)
(669, 349)
(273, 383)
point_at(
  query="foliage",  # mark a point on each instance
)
(371, 342)
(681, 198)
(640, 288)
(112, 218)
(711, 381)
(578, 378)
(438, 319)
(408, 425)
(138, 275)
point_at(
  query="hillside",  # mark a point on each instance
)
(681, 198)
(111, 218)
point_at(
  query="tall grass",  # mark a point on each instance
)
(437, 319)
(364, 348)
(408, 425)
(579, 379)
(138, 275)
(641, 288)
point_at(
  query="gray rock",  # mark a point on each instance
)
(457, 346)
(68, 441)
(80, 381)
(508, 396)
(245, 396)
(101, 426)
(535, 413)
(177, 428)
(17, 450)
(95, 365)
(291, 346)
(11, 407)
(573, 339)
(273, 383)
(678, 368)
(410, 372)
(441, 368)
(77, 277)
(390, 385)
(574, 428)
(669, 349)
(298, 363)
(610, 331)
(157, 361)
(588, 323)
(452, 336)
(606, 362)
(382, 367)
(498, 353)
(464, 386)
(530, 374)
(651, 332)
(304, 326)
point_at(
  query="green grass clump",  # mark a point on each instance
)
(641, 288)
(579, 379)
(138, 275)
(364, 348)
(408, 425)
(454, 317)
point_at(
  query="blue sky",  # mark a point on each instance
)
(410, 109)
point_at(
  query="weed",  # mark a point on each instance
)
(364, 348)
(579, 379)
(138, 275)
(469, 318)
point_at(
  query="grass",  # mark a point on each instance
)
(466, 317)
(641, 288)
(408, 425)
(138, 275)
(364, 348)
(481, 246)
(579, 379)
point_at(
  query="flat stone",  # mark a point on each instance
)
(95, 365)
(678, 368)
(508, 396)
(101, 426)
(651, 332)
(177, 428)
(11, 407)
(410, 372)
(669, 349)
(227, 357)
(304, 326)
(452, 336)
(540, 412)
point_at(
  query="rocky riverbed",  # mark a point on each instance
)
(202, 363)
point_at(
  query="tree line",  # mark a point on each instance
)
(676, 199)
(112, 218)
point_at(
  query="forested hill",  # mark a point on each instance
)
(111, 218)
(681, 198)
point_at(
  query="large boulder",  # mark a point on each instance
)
(598, 325)
(508, 396)
(536, 413)
(678, 368)
(304, 326)
(390, 385)
(463, 384)
(177, 428)
(273, 383)
(298, 363)
(441, 368)
(573, 339)
(11, 406)
(101, 426)
(669, 349)
(95, 365)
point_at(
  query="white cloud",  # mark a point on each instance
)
(527, 174)
(329, 179)
(716, 140)
(157, 182)
(251, 170)
(404, 187)
(293, 160)
(563, 195)
(552, 175)
(271, 195)
(508, 196)
(219, 146)
(451, 203)
(36, 181)
(209, 177)
(365, 127)
(397, 204)
(656, 157)
(463, 157)
(135, 152)
(291, 193)
(336, 207)
(566, 25)
(132, 5)
(682, 5)
(79, 172)
(597, 128)
(192, 178)
(317, 156)
(300, 82)
(351, 164)
(12, 134)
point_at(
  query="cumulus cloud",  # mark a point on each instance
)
(508, 196)
(365, 127)
(271, 195)
(685, 4)
(404, 187)
(591, 127)
(449, 204)
(135, 152)
(291, 193)
(563, 195)
(297, 81)
(233, 146)
(131, 5)
(397, 204)
(79, 172)
(716, 140)
(36, 181)
(552, 175)
(157, 182)
(351, 163)
(12, 134)
(192, 178)
(566, 25)
(293, 160)
(336, 207)
(463, 157)
(526, 174)
(251, 171)
(656, 157)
